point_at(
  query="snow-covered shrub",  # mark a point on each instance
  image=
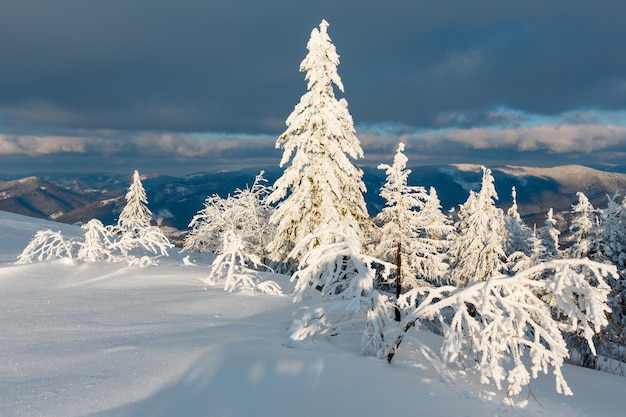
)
(97, 244)
(510, 328)
(345, 278)
(47, 245)
(238, 269)
(246, 213)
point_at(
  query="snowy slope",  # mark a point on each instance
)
(110, 340)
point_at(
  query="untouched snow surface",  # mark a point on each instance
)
(97, 339)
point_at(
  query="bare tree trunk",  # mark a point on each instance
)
(398, 279)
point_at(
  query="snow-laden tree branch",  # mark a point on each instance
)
(502, 320)
(345, 278)
(246, 213)
(238, 269)
(47, 245)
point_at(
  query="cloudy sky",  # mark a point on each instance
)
(182, 86)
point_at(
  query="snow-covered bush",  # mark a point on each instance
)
(238, 269)
(246, 213)
(97, 244)
(345, 278)
(47, 245)
(510, 328)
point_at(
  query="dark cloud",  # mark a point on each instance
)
(110, 77)
(232, 66)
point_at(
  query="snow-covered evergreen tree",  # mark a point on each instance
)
(435, 224)
(518, 234)
(477, 249)
(97, 243)
(549, 237)
(609, 245)
(135, 215)
(134, 227)
(583, 228)
(399, 232)
(321, 185)
(435, 228)
(612, 244)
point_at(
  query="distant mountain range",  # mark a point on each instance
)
(75, 198)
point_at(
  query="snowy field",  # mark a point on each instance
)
(103, 339)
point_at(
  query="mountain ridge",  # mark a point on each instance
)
(76, 197)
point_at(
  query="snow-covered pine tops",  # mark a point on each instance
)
(412, 226)
(402, 202)
(135, 215)
(549, 237)
(477, 250)
(583, 227)
(135, 229)
(321, 185)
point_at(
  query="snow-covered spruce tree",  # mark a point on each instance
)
(513, 333)
(609, 246)
(435, 228)
(583, 228)
(97, 243)
(477, 248)
(350, 303)
(518, 234)
(549, 237)
(246, 213)
(612, 231)
(522, 248)
(45, 246)
(134, 227)
(321, 185)
(231, 265)
(135, 215)
(399, 232)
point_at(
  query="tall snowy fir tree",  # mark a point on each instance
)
(135, 215)
(611, 233)
(399, 231)
(519, 237)
(434, 231)
(583, 228)
(549, 237)
(322, 184)
(477, 250)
